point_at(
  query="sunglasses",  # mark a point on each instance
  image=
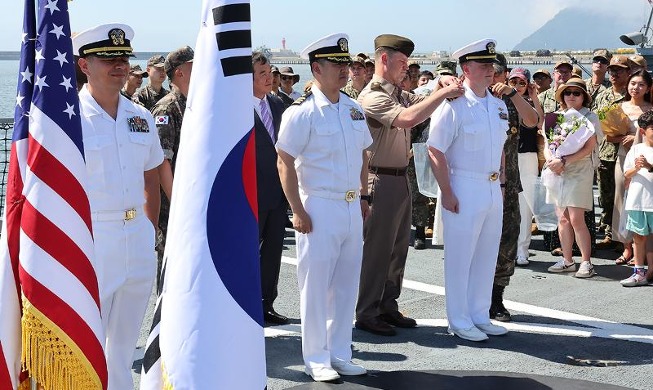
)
(516, 83)
(287, 78)
(575, 93)
(601, 61)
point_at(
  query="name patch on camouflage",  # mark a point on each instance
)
(356, 115)
(138, 125)
(161, 120)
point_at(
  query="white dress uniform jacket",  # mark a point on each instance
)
(327, 141)
(117, 154)
(471, 131)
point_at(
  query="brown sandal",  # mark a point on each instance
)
(621, 260)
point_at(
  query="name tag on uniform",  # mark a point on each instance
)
(138, 125)
(356, 115)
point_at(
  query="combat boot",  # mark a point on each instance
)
(497, 310)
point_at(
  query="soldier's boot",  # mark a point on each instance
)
(420, 238)
(497, 310)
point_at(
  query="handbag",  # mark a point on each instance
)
(426, 182)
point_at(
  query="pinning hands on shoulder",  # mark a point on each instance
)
(453, 90)
(301, 222)
(500, 89)
(448, 80)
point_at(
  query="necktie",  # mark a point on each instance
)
(266, 117)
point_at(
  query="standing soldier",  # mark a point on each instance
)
(168, 115)
(153, 91)
(598, 83)
(466, 142)
(391, 113)
(122, 154)
(357, 75)
(322, 167)
(134, 81)
(561, 73)
(519, 112)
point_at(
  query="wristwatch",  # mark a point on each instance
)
(367, 198)
(513, 93)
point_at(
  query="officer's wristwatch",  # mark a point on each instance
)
(367, 198)
(513, 93)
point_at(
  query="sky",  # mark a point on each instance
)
(164, 25)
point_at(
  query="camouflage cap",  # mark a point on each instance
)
(369, 62)
(563, 63)
(362, 55)
(274, 69)
(395, 42)
(637, 60)
(446, 68)
(602, 53)
(358, 60)
(178, 57)
(413, 63)
(137, 70)
(156, 60)
(542, 71)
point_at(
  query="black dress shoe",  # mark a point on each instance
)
(419, 244)
(273, 317)
(376, 326)
(399, 320)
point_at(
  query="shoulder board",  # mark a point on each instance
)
(348, 95)
(302, 98)
(376, 86)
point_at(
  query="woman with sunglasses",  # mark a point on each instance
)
(636, 102)
(576, 171)
(519, 79)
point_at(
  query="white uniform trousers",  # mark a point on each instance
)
(328, 272)
(471, 246)
(126, 269)
(528, 175)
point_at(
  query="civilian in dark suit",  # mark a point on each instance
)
(272, 203)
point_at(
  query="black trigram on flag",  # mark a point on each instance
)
(234, 39)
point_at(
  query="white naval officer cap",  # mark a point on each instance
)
(483, 50)
(106, 40)
(334, 48)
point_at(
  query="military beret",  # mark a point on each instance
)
(395, 42)
(334, 48)
(483, 50)
(106, 40)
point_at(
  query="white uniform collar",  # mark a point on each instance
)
(91, 107)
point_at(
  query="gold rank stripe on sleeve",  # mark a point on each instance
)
(302, 98)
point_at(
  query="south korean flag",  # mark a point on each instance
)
(161, 120)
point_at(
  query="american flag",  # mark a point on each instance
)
(48, 237)
(212, 268)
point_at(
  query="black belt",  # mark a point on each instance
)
(389, 171)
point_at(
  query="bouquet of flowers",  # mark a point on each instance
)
(565, 136)
(614, 122)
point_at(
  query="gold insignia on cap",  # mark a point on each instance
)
(117, 36)
(344, 46)
(491, 47)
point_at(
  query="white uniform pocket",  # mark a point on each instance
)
(473, 136)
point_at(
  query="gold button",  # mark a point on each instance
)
(350, 196)
(513, 130)
(130, 214)
(494, 176)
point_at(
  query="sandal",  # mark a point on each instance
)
(631, 262)
(621, 260)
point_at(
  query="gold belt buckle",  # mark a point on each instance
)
(130, 214)
(350, 196)
(494, 176)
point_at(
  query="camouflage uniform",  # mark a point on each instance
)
(548, 100)
(147, 97)
(168, 114)
(595, 90)
(350, 90)
(608, 157)
(511, 218)
(421, 213)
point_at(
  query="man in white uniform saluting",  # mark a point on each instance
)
(466, 142)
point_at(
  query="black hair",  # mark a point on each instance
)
(645, 120)
(647, 79)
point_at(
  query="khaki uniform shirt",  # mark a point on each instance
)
(382, 103)
(607, 150)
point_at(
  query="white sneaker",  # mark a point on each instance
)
(586, 270)
(348, 368)
(635, 280)
(471, 334)
(322, 374)
(522, 261)
(491, 329)
(561, 266)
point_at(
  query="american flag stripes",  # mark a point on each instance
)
(50, 239)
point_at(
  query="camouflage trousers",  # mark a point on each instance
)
(161, 238)
(606, 184)
(421, 214)
(509, 234)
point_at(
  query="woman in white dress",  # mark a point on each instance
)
(576, 173)
(636, 102)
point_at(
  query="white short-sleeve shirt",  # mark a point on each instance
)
(470, 131)
(117, 153)
(640, 191)
(327, 141)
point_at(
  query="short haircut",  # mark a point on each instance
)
(426, 73)
(384, 49)
(259, 58)
(645, 120)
